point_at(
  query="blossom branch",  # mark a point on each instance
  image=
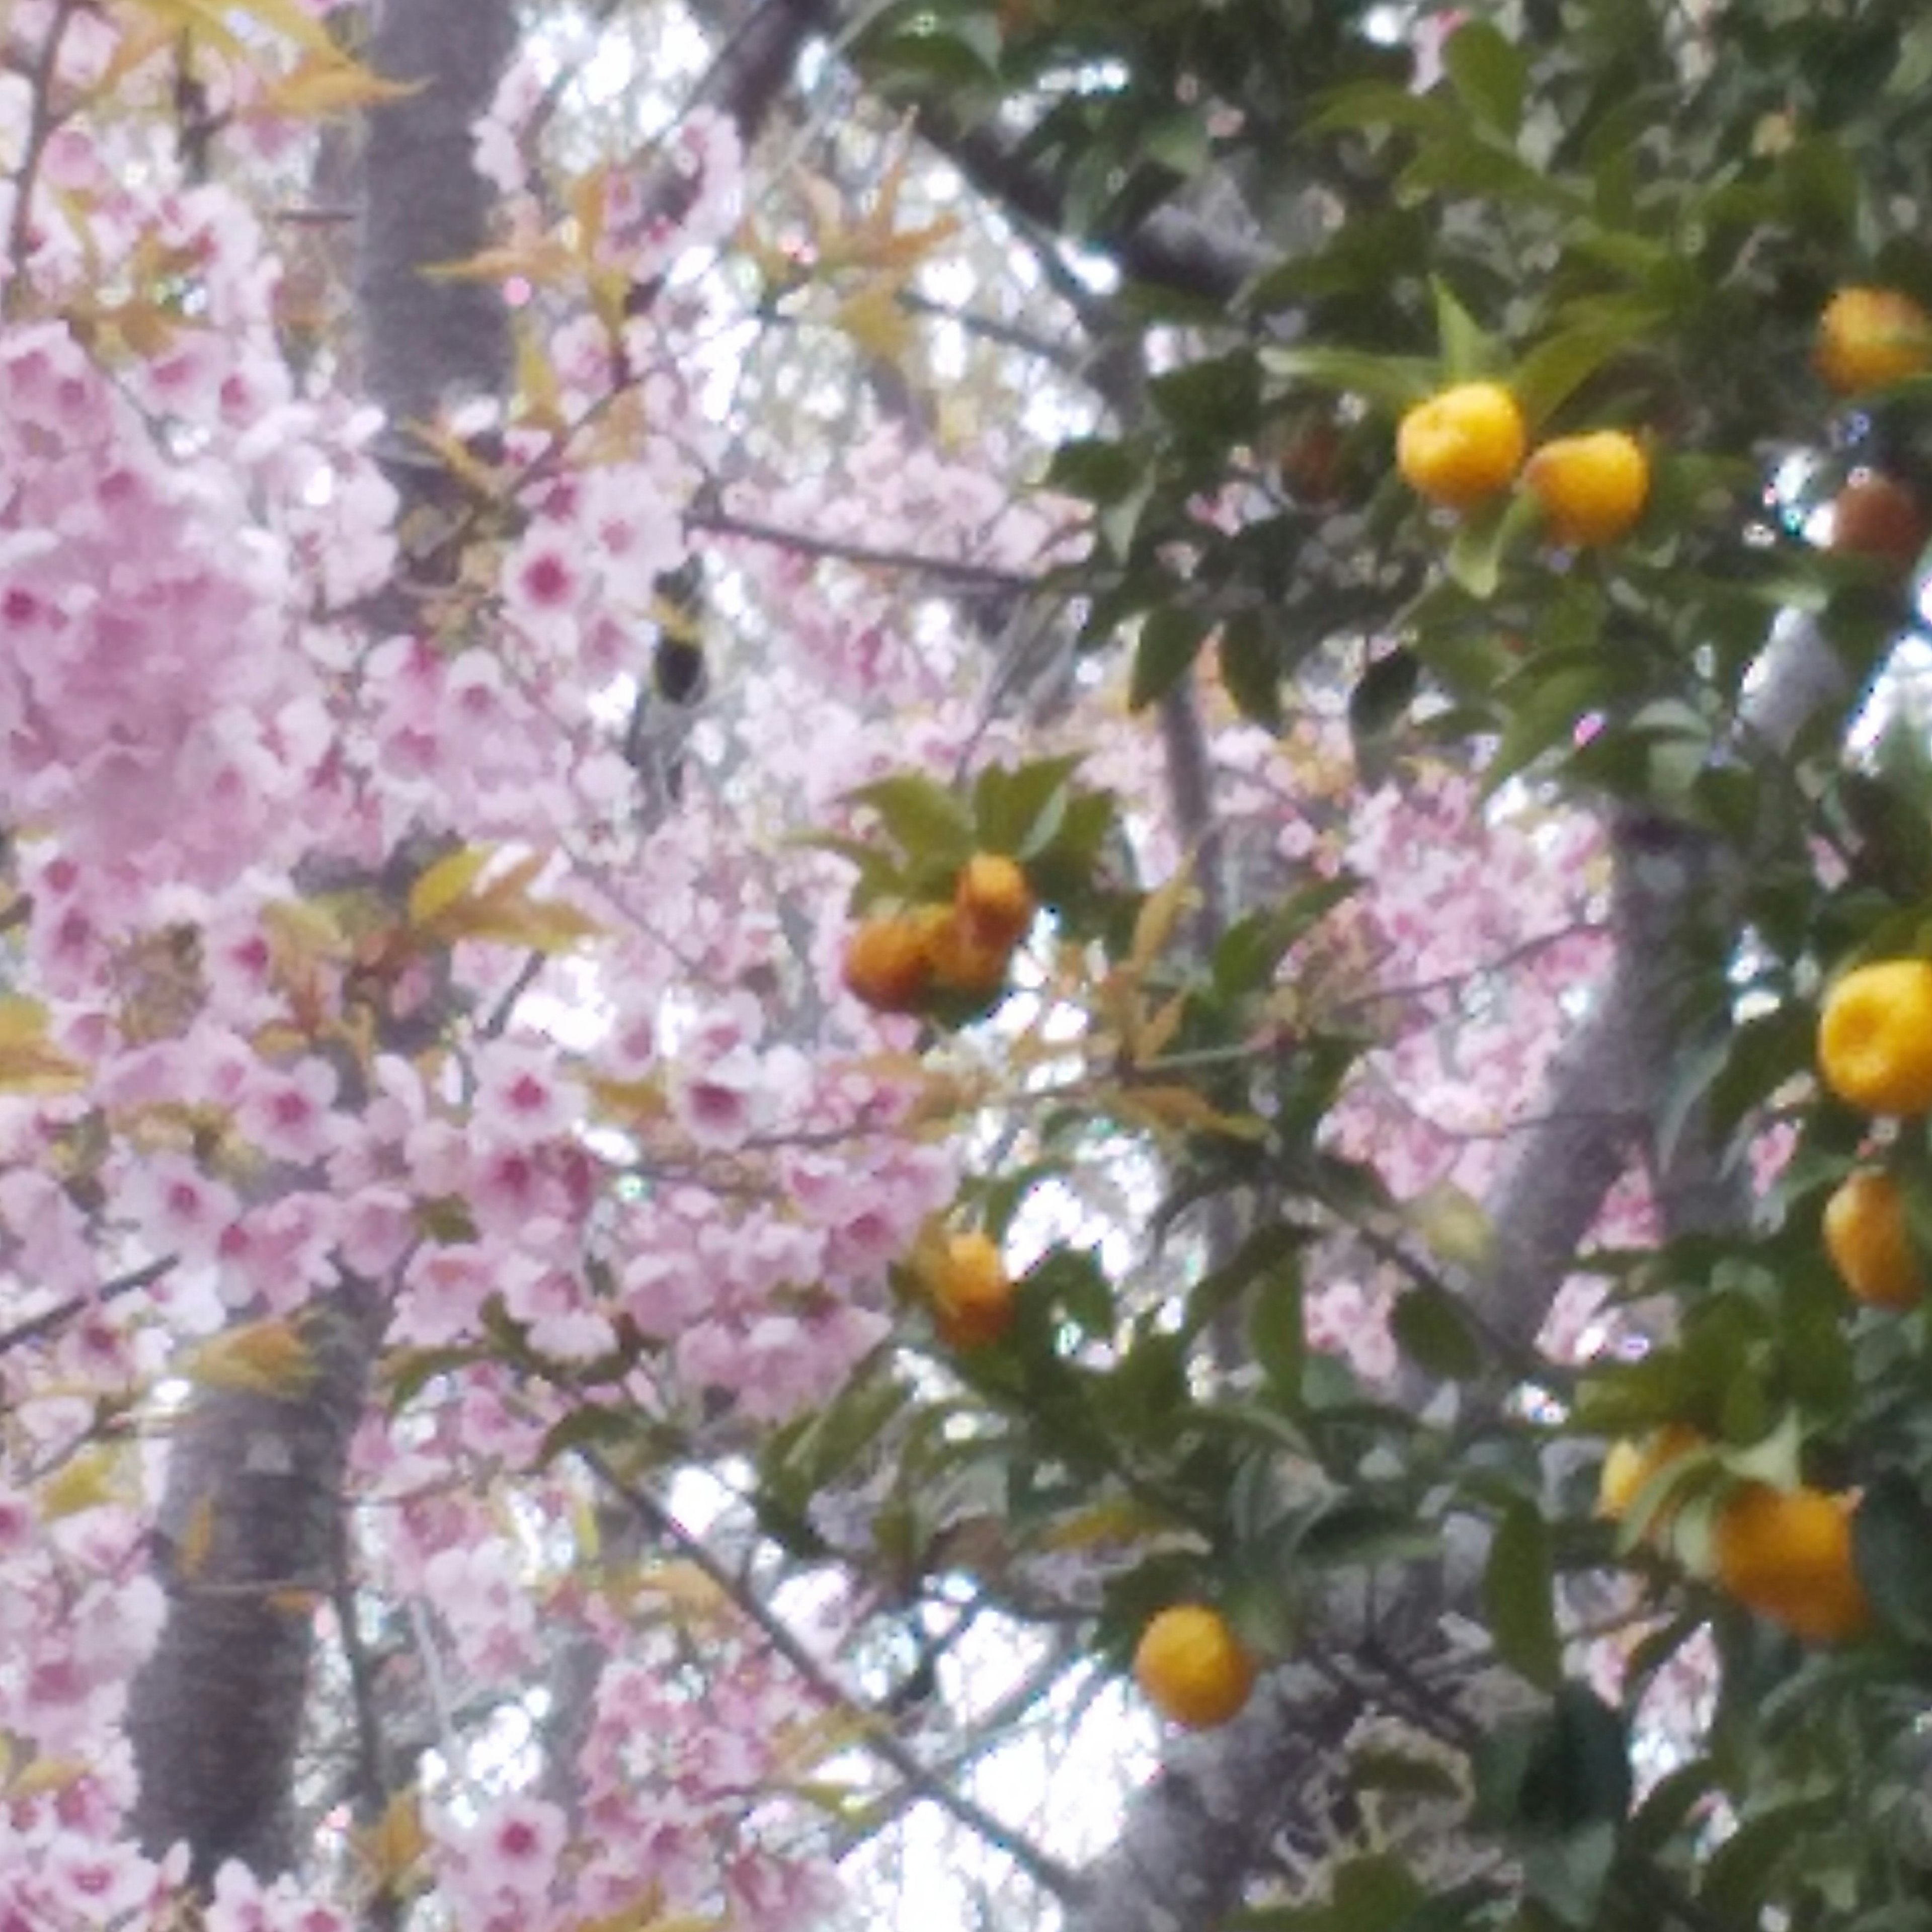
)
(1045, 1871)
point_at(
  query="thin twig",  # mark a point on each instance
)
(37, 1328)
(41, 122)
(874, 1736)
(723, 523)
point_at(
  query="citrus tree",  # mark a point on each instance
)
(868, 868)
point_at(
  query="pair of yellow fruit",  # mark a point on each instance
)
(1785, 1554)
(896, 964)
(1875, 1053)
(1467, 444)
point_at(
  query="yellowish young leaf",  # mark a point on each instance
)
(687, 1589)
(1160, 913)
(197, 1542)
(504, 910)
(93, 1478)
(1182, 1109)
(29, 1062)
(459, 459)
(538, 391)
(1150, 1034)
(43, 1776)
(874, 319)
(267, 1357)
(393, 1847)
(212, 21)
(442, 884)
(629, 1101)
(319, 86)
(546, 261)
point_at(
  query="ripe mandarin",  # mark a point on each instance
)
(1787, 1554)
(1870, 337)
(1192, 1668)
(959, 960)
(1875, 1037)
(1591, 489)
(993, 899)
(1879, 517)
(886, 965)
(1870, 1245)
(1463, 445)
(971, 1292)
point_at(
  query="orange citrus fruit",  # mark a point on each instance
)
(1463, 445)
(971, 1292)
(958, 960)
(1787, 1554)
(1875, 1037)
(1879, 518)
(993, 899)
(1192, 1668)
(1590, 488)
(1631, 1467)
(887, 966)
(1866, 1237)
(1870, 337)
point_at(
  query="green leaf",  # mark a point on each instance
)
(1378, 704)
(1375, 1894)
(1520, 1595)
(1218, 400)
(1251, 951)
(1475, 558)
(1277, 1334)
(1547, 716)
(1467, 352)
(1253, 667)
(1073, 1280)
(1395, 382)
(1892, 1542)
(1568, 1874)
(1431, 1330)
(1488, 75)
(1170, 640)
(1178, 143)
(1557, 367)
(1095, 469)
(924, 819)
(1017, 809)
(1912, 74)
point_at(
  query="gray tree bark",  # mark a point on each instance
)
(250, 1519)
(1194, 1836)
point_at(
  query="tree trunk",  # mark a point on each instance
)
(249, 1521)
(1194, 1837)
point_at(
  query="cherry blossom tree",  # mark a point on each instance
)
(524, 529)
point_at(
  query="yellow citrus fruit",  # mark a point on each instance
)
(958, 959)
(1875, 1037)
(1879, 518)
(993, 899)
(1870, 337)
(1866, 1237)
(1629, 1467)
(1787, 1555)
(971, 1292)
(1590, 488)
(887, 965)
(1192, 1668)
(1463, 445)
